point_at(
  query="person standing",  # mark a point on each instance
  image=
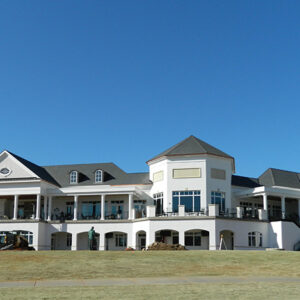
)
(91, 235)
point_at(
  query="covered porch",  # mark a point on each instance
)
(270, 204)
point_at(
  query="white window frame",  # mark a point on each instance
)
(72, 176)
(97, 172)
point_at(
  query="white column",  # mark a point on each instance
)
(181, 238)
(214, 240)
(45, 207)
(130, 205)
(75, 207)
(16, 202)
(265, 202)
(102, 241)
(49, 208)
(150, 238)
(133, 240)
(102, 210)
(74, 241)
(38, 207)
(283, 207)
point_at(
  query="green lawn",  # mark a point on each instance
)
(182, 291)
(85, 264)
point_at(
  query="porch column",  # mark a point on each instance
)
(265, 202)
(49, 208)
(102, 210)
(283, 207)
(75, 207)
(38, 207)
(130, 205)
(16, 203)
(45, 207)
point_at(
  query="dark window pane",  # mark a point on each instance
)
(175, 240)
(187, 201)
(197, 203)
(197, 240)
(188, 240)
(175, 204)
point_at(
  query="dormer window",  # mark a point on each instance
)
(98, 176)
(74, 177)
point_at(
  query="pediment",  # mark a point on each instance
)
(11, 168)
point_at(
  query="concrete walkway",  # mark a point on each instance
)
(145, 281)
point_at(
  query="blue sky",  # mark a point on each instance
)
(99, 81)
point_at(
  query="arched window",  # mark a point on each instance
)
(98, 176)
(74, 177)
(255, 239)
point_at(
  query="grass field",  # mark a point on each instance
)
(115, 265)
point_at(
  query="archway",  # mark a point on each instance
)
(61, 241)
(227, 237)
(196, 239)
(115, 240)
(83, 241)
(170, 237)
(140, 240)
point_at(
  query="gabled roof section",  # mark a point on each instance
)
(39, 171)
(276, 177)
(192, 146)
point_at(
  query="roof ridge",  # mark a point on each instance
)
(64, 165)
(200, 143)
(283, 170)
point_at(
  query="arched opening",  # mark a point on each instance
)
(170, 237)
(61, 241)
(196, 239)
(141, 240)
(226, 240)
(83, 241)
(115, 241)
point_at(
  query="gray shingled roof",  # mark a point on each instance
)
(39, 171)
(278, 177)
(271, 177)
(60, 174)
(192, 146)
(113, 175)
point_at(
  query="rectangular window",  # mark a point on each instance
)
(90, 210)
(121, 240)
(158, 176)
(187, 173)
(190, 199)
(159, 203)
(218, 173)
(218, 198)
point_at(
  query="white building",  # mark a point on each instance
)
(190, 196)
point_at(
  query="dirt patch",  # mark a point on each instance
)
(164, 246)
